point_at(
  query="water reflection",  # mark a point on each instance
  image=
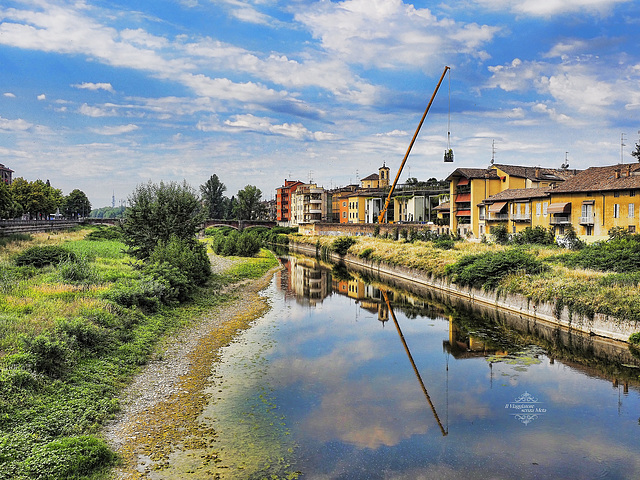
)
(364, 416)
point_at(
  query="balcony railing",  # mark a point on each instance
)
(521, 217)
(560, 220)
(497, 217)
(587, 220)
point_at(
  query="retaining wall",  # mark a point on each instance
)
(601, 325)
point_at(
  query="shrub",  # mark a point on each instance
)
(534, 236)
(49, 354)
(71, 457)
(188, 256)
(366, 253)
(620, 255)
(342, 244)
(104, 233)
(145, 293)
(485, 270)
(40, 256)
(635, 338)
(83, 332)
(500, 234)
(77, 270)
(176, 285)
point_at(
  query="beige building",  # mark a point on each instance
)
(310, 204)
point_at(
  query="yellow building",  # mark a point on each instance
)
(381, 180)
(470, 187)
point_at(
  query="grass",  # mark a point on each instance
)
(583, 291)
(66, 352)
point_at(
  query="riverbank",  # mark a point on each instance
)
(571, 298)
(160, 408)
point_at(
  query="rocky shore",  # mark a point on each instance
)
(160, 407)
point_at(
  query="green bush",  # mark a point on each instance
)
(487, 269)
(366, 253)
(75, 270)
(40, 256)
(84, 333)
(13, 238)
(444, 242)
(534, 236)
(635, 338)
(189, 257)
(241, 244)
(620, 255)
(49, 354)
(500, 234)
(176, 284)
(69, 458)
(342, 244)
(104, 233)
(145, 293)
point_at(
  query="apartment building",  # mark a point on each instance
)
(310, 204)
(283, 200)
(5, 174)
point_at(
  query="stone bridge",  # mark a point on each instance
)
(238, 224)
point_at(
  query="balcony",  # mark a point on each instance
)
(521, 217)
(497, 217)
(587, 220)
(560, 220)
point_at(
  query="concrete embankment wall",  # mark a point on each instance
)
(602, 325)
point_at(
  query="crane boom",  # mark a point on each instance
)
(406, 155)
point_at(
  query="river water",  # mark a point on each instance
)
(348, 378)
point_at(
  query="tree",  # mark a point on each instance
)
(212, 195)
(158, 212)
(8, 207)
(37, 198)
(636, 152)
(76, 204)
(249, 206)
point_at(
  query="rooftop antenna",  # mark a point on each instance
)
(622, 145)
(565, 165)
(493, 151)
(113, 199)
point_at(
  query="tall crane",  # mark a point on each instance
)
(406, 155)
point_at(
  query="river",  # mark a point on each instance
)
(349, 378)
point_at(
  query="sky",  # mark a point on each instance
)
(106, 95)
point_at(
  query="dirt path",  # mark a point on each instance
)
(160, 407)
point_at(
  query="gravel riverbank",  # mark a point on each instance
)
(161, 406)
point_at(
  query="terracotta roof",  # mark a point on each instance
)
(443, 207)
(373, 176)
(517, 194)
(472, 173)
(602, 179)
(537, 173)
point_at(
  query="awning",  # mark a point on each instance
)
(463, 198)
(463, 181)
(559, 208)
(497, 207)
(463, 213)
(588, 202)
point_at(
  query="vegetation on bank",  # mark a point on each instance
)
(601, 278)
(78, 318)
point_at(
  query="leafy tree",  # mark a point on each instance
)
(38, 198)
(213, 196)
(107, 212)
(76, 204)
(230, 207)
(8, 207)
(636, 152)
(157, 212)
(249, 206)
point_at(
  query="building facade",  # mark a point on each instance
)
(6, 174)
(283, 200)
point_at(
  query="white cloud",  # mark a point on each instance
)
(548, 8)
(42, 96)
(96, 112)
(9, 95)
(117, 130)
(19, 125)
(391, 34)
(94, 86)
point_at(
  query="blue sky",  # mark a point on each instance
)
(105, 95)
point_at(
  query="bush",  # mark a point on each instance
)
(146, 293)
(83, 332)
(635, 338)
(40, 256)
(620, 255)
(500, 234)
(77, 270)
(342, 244)
(534, 236)
(104, 233)
(176, 284)
(243, 244)
(49, 354)
(71, 457)
(487, 269)
(188, 256)
(366, 253)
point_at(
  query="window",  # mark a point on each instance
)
(344, 204)
(538, 208)
(632, 193)
(616, 210)
(545, 205)
(632, 229)
(344, 214)
(631, 210)
(616, 194)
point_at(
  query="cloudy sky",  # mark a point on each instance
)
(104, 95)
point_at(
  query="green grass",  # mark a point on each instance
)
(66, 352)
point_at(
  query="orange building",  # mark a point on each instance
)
(283, 199)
